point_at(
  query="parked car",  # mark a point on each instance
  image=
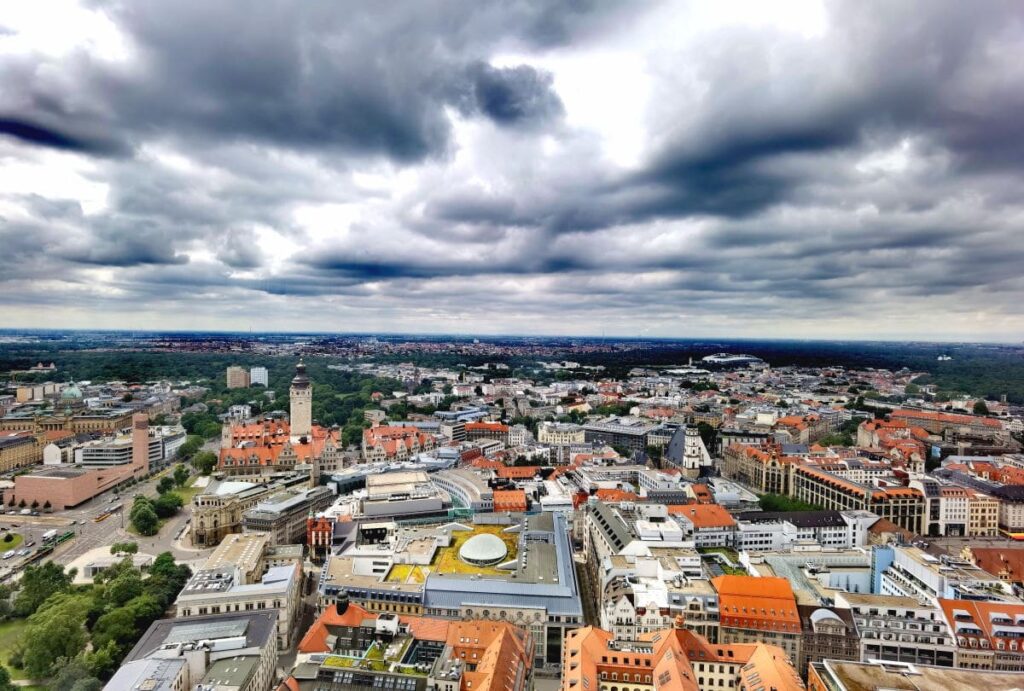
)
(8, 554)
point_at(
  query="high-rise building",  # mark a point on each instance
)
(140, 443)
(259, 375)
(238, 377)
(301, 395)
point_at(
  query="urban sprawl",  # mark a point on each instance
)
(720, 524)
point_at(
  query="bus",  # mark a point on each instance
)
(49, 535)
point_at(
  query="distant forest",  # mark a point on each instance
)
(975, 369)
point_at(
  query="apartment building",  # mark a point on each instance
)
(904, 506)
(758, 610)
(899, 629)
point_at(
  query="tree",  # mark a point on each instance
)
(206, 461)
(8, 537)
(47, 505)
(35, 504)
(38, 583)
(69, 675)
(55, 633)
(124, 548)
(181, 475)
(165, 485)
(188, 449)
(980, 407)
(167, 504)
(22, 503)
(5, 680)
(145, 521)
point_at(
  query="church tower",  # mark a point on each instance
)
(301, 395)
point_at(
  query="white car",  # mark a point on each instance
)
(8, 554)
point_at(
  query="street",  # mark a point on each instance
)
(90, 534)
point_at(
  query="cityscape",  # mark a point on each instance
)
(529, 345)
(334, 512)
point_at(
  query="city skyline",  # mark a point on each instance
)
(655, 170)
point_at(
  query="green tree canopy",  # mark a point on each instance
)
(38, 583)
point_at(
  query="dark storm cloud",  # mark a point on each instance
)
(782, 174)
(34, 133)
(513, 95)
(362, 79)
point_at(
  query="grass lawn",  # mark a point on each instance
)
(10, 633)
(16, 540)
(188, 491)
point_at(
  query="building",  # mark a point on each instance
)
(836, 675)
(218, 509)
(1005, 563)
(487, 430)
(394, 443)
(411, 653)
(938, 422)
(627, 433)
(767, 531)
(1011, 508)
(989, 635)
(708, 525)
(423, 570)
(686, 451)
(19, 449)
(758, 610)
(899, 629)
(283, 515)
(237, 377)
(259, 375)
(904, 506)
(61, 487)
(673, 659)
(913, 572)
(560, 434)
(764, 468)
(828, 633)
(226, 589)
(300, 396)
(226, 652)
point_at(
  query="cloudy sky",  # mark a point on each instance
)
(797, 169)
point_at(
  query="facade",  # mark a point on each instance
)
(627, 433)
(19, 449)
(828, 634)
(673, 659)
(899, 629)
(394, 443)
(237, 377)
(300, 396)
(283, 515)
(560, 434)
(764, 468)
(217, 511)
(223, 589)
(904, 506)
(758, 610)
(259, 375)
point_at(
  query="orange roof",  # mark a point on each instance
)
(757, 603)
(707, 516)
(946, 418)
(518, 471)
(315, 640)
(1004, 562)
(610, 494)
(482, 426)
(509, 500)
(981, 620)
